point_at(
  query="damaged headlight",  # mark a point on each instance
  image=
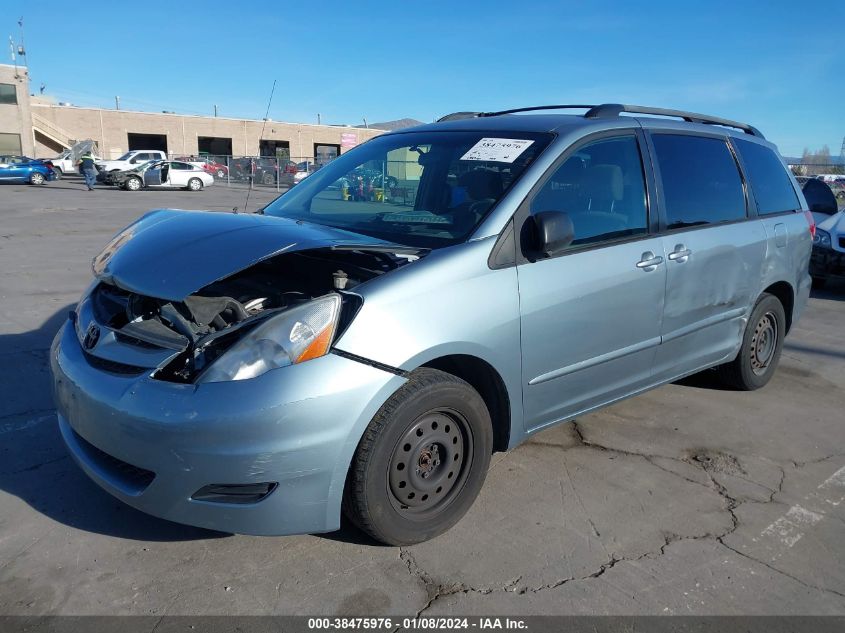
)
(294, 336)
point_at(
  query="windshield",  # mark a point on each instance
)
(126, 156)
(428, 189)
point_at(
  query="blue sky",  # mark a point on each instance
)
(778, 65)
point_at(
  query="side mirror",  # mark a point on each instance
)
(555, 231)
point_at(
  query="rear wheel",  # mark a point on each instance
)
(762, 343)
(421, 461)
(221, 173)
(59, 173)
(133, 184)
(194, 184)
(36, 178)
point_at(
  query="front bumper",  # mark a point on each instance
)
(826, 262)
(153, 444)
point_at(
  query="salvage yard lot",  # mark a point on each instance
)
(691, 499)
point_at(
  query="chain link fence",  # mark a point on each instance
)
(278, 173)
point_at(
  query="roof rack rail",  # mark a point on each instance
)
(472, 115)
(615, 109)
(455, 116)
(610, 110)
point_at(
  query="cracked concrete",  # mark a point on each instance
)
(690, 499)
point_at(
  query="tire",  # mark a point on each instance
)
(221, 173)
(819, 282)
(133, 184)
(194, 184)
(267, 178)
(762, 343)
(59, 173)
(438, 424)
(36, 178)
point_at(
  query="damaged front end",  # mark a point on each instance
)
(280, 311)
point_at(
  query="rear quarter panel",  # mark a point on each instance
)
(788, 248)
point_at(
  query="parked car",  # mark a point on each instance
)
(162, 174)
(24, 169)
(127, 161)
(215, 168)
(65, 163)
(262, 373)
(303, 170)
(828, 259)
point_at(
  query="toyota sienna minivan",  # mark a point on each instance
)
(365, 342)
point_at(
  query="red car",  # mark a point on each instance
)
(209, 166)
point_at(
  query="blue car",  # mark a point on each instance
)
(24, 169)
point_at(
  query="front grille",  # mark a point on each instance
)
(113, 367)
(132, 478)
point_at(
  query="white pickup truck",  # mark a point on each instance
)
(131, 159)
(65, 163)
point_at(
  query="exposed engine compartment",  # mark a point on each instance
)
(203, 325)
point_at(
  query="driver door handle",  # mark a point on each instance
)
(680, 254)
(649, 261)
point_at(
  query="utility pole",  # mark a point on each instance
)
(215, 111)
(117, 103)
(318, 118)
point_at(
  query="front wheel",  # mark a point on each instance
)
(133, 184)
(221, 173)
(36, 178)
(194, 184)
(422, 460)
(762, 343)
(58, 172)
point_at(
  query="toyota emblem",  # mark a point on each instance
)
(92, 335)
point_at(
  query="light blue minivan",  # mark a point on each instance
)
(366, 342)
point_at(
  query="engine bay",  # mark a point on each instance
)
(203, 325)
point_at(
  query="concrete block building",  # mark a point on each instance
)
(39, 127)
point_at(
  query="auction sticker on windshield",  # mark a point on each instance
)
(500, 150)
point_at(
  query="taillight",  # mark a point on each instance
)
(812, 222)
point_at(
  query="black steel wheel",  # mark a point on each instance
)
(430, 463)
(762, 343)
(422, 460)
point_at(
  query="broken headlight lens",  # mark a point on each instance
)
(292, 337)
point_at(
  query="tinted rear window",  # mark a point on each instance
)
(771, 185)
(701, 181)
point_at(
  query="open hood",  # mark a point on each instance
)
(171, 254)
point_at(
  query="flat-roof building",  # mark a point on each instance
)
(37, 126)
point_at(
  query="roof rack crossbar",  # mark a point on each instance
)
(615, 109)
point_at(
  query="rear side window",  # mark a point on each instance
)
(771, 185)
(701, 181)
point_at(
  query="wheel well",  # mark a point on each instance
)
(783, 291)
(489, 384)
